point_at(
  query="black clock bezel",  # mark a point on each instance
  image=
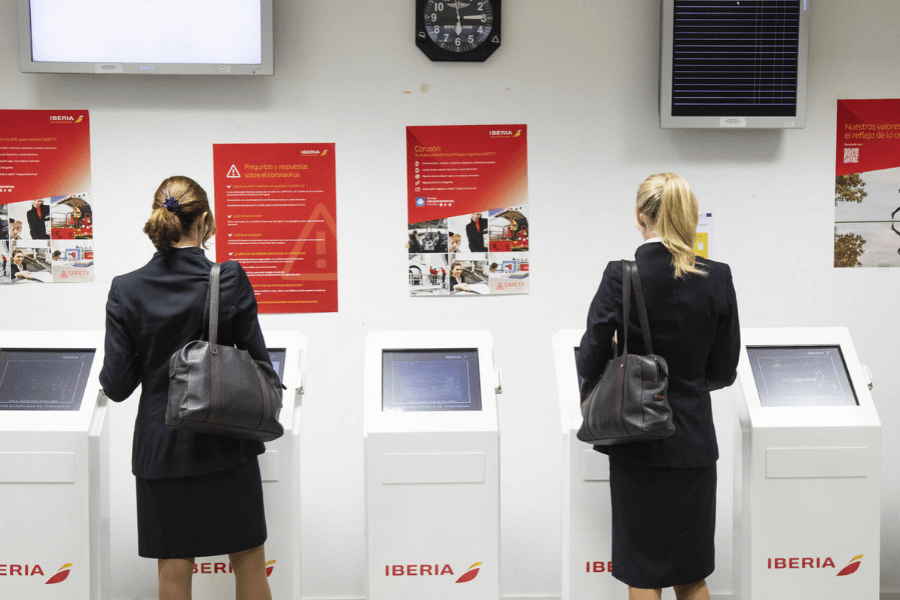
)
(436, 53)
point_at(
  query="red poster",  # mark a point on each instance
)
(46, 212)
(867, 184)
(468, 225)
(275, 214)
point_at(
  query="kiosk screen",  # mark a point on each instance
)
(801, 376)
(276, 355)
(43, 379)
(430, 380)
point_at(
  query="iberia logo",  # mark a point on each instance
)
(324, 152)
(852, 567)
(270, 566)
(80, 117)
(471, 574)
(518, 133)
(60, 575)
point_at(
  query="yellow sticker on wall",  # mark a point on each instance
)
(701, 244)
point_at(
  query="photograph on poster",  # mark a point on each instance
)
(30, 220)
(508, 228)
(428, 237)
(867, 219)
(469, 232)
(428, 274)
(468, 275)
(72, 260)
(30, 262)
(71, 217)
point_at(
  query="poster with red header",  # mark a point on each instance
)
(867, 184)
(468, 228)
(275, 214)
(46, 210)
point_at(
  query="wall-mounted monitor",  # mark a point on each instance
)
(43, 379)
(801, 376)
(430, 380)
(734, 63)
(162, 37)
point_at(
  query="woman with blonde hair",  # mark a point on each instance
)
(198, 494)
(663, 492)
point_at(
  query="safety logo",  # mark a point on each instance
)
(470, 574)
(61, 575)
(852, 567)
(233, 173)
(420, 201)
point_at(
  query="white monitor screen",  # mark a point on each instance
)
(161, 31)
(276, 355)
(801, 376)
(43, 379)
(150, 37)
(430, 380)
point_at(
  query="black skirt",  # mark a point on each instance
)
(205, 515)
(663, 524)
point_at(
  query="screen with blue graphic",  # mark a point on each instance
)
(430, 380)
(276, 355)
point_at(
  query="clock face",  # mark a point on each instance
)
(458, 26)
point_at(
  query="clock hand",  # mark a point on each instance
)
(479, 17)
(458, 22)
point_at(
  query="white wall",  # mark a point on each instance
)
(583, 76)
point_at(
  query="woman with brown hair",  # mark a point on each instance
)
(198, 494)
(663, 492)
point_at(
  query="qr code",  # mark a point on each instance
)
(851, 155)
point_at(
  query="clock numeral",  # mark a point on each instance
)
(458, 42)
(439, 6)
(481, 6)
(437, 29)
(471, 39)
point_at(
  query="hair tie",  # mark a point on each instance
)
(172, 205)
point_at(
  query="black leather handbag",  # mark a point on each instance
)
(220, 389)
(629, 402)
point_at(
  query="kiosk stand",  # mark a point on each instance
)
(280, 470)
(586, 525)
(54, 469)
(807, 469)
(432, 461)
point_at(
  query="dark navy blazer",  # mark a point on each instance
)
(694, 326)
(151, 313)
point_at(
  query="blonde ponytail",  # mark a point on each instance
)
(668, 202)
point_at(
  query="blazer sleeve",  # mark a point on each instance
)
(597, 345)
(248, 334)
(721, 367)
(121, 371)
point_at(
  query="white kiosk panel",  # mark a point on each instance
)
(586, 527)
(807, 481)
(280, 470)
(432, 464)
(54, 466)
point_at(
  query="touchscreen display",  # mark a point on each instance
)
(276, 355)
(43, 379)
(801, 376)
(430, 380)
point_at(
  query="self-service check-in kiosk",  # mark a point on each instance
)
(54, 467)
(280, 470)
(808, 463)
(586, 526)
(432, 460)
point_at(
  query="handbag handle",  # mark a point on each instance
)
(631, 278)
(211, 310)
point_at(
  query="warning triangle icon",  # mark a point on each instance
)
(499, 286)
(233, 173)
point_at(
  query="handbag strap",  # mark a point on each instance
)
(211, 311)
(632, 279)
